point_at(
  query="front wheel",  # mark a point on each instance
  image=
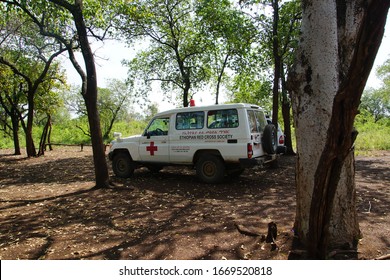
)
(122, 165)
(210, 169)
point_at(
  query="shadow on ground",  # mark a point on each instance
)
(48, 210)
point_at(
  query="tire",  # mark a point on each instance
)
(210, 169)
(122, 165)
(269, 140)
(234, 173)
(154, 168)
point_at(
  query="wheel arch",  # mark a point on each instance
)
(198, 154)
(121, 151)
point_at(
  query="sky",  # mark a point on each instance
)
(109, 56)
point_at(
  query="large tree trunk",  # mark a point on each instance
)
(339, 43)
(90, 98)
(277, 62)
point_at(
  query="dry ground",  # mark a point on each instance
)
(48, 211)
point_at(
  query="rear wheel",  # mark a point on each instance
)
(210, 169)
(122, 165)
(234, 170)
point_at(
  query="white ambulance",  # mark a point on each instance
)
(216, 140)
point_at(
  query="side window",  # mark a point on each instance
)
(189, 120)
(222, 119)
(158, 127)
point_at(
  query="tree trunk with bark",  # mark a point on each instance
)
(12, 111)
(286, 109)
(15, 131)
(30, 146)
(44, 136)
(277, 63)
(339, 43)
(90, 98)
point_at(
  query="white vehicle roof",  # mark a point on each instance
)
(209, 108)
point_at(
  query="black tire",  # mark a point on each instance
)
(234, 173)
(154, 168)
(122, 165)
(269, 140)
(210, 169)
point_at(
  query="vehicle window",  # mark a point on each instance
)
(222, 118)
(261, 121)
(257, 121)
(158, 127)
(252, 121)
(190, 120)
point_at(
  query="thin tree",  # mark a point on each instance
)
(174, 55)
(34, 73)
(67, 23)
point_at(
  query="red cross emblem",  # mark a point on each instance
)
(152, 148)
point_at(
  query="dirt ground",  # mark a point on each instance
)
(48, 211)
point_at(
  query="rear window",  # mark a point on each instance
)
(257, 121)
(222, 119)
(190, 120)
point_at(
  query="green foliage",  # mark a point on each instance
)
(373, 122)
(114, 104)
(383, 72)
(253, 79)
(133, 127)
(5, 141)
(66, 132)
(176, 47)
(248, 89)
(229, 36)
(376, 102)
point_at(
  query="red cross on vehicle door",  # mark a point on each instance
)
(152, 148)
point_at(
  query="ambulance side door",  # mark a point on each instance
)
(154, 143)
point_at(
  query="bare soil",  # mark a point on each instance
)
(49, 210)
